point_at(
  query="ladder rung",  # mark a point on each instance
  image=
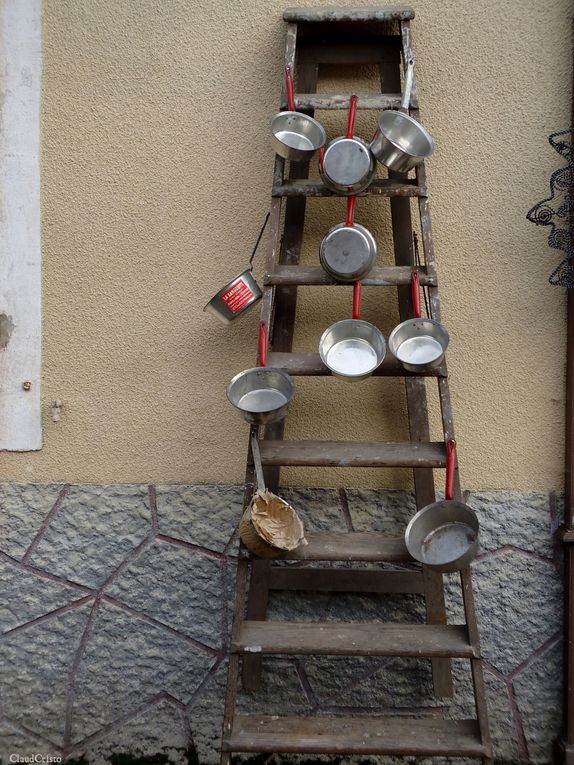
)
(359, 639)
(381, 276)
(377, 101)
(331, 14)
(355, 735)
(413, 454)
(349, 546)
(379, 187)
(311, 364)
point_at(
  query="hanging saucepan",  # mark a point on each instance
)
(295, 136)
(348, 251)
(419, 343)
(347, 165)
(401, 142)
(352, 348)
(239, 294)
(262, 394)
(444, 535)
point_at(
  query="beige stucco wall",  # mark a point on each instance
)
(156, 170)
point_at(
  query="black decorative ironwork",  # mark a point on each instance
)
(558, 210)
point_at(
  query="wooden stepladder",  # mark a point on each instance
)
(379, 36)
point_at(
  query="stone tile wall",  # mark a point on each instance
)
(115, 606)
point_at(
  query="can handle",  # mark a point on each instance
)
(409, 79)
(416, 293)
(321, 153)
(357, 290)
(289, 89)
(450, 468)
(258, 240)
(350, 220)
(262, 344)
(352, 115)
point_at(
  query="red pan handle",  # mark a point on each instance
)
(289, 89)
(416, 293)
(350, 220)
(450, 468)
(321, 153)
(352, 115)
(262, 344)
(357, 289)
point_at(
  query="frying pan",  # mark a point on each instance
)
(444, 535)
(352, 348)
(262, 394)
(295, 136)
(347, 165)
(348, 250)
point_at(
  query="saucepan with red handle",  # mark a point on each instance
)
(348, 250)
(444, 535)
(262, 394)
(295, 136)
(352, 348)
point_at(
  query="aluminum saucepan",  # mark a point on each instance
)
(444, 535)
(401, 142)
(347, 165)
(239, 294)
(295, 136)
(262, 394)
(352, 348)
(419, 343)
(348, 250)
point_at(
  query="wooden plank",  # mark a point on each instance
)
(355, 735)
(347, 639)
(382, 187)
(353, 453)
(346, 580)
(380, 276)
(360, 13)
(378, 101)
(311, 364)
(20, 246)
(349, 546)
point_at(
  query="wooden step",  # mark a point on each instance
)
(333, 14)
(355, 735)
(378, 101)
(381, 187)
(348, 639)
(310, 364)
(354, 453)
(381, 276)
(350, 546)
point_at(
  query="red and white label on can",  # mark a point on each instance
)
(237, 296)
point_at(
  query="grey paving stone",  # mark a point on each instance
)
(319, 509)
(15, 741)
(538, 690)
(24, 596)
(514, 518)
(161, 730)
(179, 586)
(23, 507)
(519, 600)
(34, 667)
(206, 717)
(127, 662)
(372, 608)
(380, 509)
(203, 515)
(94, 530)
(280, 689)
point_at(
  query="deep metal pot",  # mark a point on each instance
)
(295, 136)
(401, 142)
(235, 298)
(444, 535)
(348, 250)
(347, 165)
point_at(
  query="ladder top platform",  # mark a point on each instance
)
(336, 13)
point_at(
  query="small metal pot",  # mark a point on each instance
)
(419, 343)
(347, 165)
(348, 250)
(262, 394)
(352, 348)
(240, 293)
(295, 136)
(444, 535)
(401, 142)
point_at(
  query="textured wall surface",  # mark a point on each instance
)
(116, 604)
(156, 170)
